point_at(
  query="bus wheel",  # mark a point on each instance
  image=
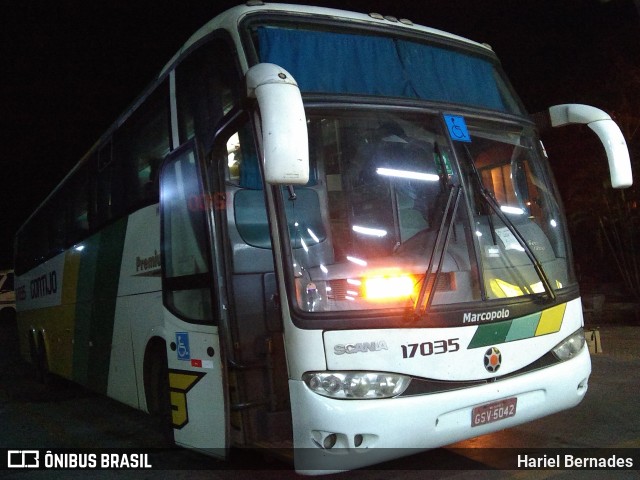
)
(33, 354)
(156, 385)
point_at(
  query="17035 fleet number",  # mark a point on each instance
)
(425, 349)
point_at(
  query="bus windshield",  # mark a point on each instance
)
(517, 219)
(371, 64)
(392, 198)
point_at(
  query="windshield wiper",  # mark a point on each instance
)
(537, 266)
(425, 296)
(493, 205)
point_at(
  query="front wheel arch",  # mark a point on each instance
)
(156, 385)
(156, 374)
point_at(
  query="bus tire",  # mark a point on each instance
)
(33, 354)
(156, 387)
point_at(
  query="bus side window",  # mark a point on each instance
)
(204, 91)
(246, 213)
(186, 264)
(104, 173)
(139, 145)
(78, 206)
(245, 187)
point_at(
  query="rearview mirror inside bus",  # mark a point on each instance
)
(608, 132)
(285, 147)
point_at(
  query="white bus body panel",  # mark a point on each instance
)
(460, 365)
(197, 384)
(375, 430)
(138, 315)
(397, 427)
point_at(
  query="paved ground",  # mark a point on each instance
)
(617, 341)
(34, 416)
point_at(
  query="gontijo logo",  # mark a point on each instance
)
(44, 285)
(485, 316)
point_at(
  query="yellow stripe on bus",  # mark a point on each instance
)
(551, 320)
(70, 277)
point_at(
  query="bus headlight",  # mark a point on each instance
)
(356, 385)
(389, 287)
(570, 346)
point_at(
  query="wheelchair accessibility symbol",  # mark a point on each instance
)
(182, 341)
(457, 128)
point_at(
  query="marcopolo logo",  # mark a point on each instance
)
(492, 359)
(485, 316)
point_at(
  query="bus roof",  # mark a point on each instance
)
(230, 19)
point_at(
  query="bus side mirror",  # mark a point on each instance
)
(608, 132)
(284, 125)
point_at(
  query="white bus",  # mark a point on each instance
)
(326, 231)
(7, 297)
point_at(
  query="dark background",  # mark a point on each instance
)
(69, 68)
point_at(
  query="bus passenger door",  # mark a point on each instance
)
(198, 395)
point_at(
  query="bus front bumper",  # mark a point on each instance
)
(334, 435)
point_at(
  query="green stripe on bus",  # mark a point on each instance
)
(98, 280)
(524, 327)
(84, 308)
(529, 326)
(490, 334)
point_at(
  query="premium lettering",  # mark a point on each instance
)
(149, 263)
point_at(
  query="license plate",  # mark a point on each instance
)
(494, 411)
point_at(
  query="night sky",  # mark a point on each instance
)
(69, 68)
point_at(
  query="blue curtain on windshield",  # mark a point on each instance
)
(370, 65)
(438, 74)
